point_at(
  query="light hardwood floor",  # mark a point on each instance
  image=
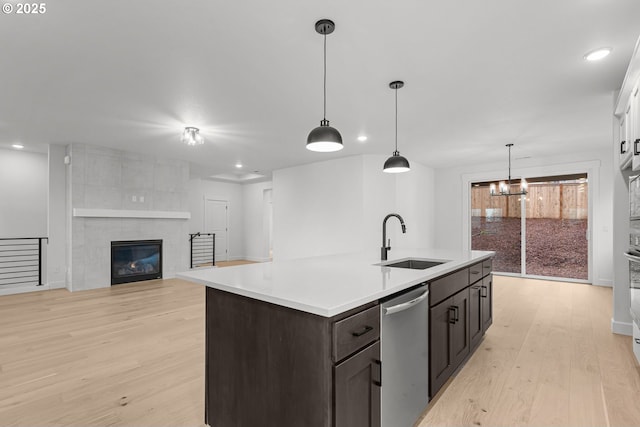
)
(133, 355)
(549, 359)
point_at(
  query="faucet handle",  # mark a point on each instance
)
(388, 243)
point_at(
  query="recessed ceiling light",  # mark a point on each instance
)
(362, 138)
(17, 146)
(598, 54)
(238, 165)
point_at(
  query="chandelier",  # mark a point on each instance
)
(504, 188)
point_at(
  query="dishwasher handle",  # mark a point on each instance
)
(406, 305)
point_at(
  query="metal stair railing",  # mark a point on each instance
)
(21, 261)
(203, 249)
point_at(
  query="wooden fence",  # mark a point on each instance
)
(544, 200)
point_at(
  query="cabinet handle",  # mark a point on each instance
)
(485, 293)
(475, 272)
(456, 313)
(379, 363)
(622, 148)
(363, 331)
(635, 147)
(486, 267)
(637, 340)
(452, 320)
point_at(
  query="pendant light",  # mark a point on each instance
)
(324, 138)
(396, 163)
(505, 188)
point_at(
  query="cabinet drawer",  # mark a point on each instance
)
(487, 267)
(475, 273)
(443, 288)
(355, 332)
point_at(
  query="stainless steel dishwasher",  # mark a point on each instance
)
(405, 357)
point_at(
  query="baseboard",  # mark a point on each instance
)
(256, 259)
(621, 328)
(604, 283)
(60, 284)
(23, 289)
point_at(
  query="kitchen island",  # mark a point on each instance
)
(296, 343)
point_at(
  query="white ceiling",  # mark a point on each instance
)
(478, 74)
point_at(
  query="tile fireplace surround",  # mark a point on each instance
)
(101, 184)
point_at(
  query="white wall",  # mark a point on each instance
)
(201, 189)
(56, 224)
(23, 193)
(452, 227)
(337, 206)
(317, 209)
(256, 202)
(415, 195)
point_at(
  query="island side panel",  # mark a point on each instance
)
(266, 365)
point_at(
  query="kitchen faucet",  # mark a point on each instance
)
(385, 249)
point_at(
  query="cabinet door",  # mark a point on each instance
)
(460, 328)
(633, 128)
(486, 297)
(441, 320)
(357, 389)
(475, 315)
(624, 145)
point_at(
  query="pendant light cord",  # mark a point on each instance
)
(509, 167)
(325, 76)
(396, 119)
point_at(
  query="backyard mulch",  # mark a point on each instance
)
(555, 247)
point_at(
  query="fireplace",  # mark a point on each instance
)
(135, 260)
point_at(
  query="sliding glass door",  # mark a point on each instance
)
(496, 226)
(556, 227)
(549, 240)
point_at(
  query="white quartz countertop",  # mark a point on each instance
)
(329, 285)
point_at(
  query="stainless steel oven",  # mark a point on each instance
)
(634, 284)
(633, 254)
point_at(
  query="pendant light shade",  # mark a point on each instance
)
(396, 163)
(324, 138)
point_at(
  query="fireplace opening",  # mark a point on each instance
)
(136, 260)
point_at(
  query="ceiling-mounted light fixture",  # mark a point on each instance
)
(396, 163)
(191, 136)
(598, 54)
(17, 146)
(505, 188)
(324, 138)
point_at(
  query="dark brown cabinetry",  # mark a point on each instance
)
(475, 315)
(357, 389)
(449, 343)
(459, 315)
(273, 366)
(486, 297)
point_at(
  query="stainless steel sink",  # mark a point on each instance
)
(415, 264)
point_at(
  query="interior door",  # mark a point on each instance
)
(216, 220)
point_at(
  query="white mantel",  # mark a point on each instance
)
(128, 213)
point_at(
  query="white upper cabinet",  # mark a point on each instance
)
(627, 113)
(633, 127)
(626, 149)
